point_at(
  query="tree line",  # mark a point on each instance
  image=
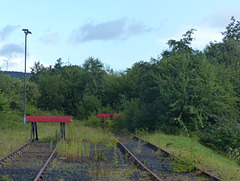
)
(182, 90)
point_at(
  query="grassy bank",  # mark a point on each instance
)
(190, 150)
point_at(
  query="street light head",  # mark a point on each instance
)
(26, 31)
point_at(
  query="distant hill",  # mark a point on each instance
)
(19, 75)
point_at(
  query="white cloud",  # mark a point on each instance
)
(205, 35)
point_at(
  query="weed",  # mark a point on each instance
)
(5, 178)
(139, 147)
(101, 154)
(85, 151)
(56, 134)
(168, 144)
(95, 169)
(184, 162)
(72, 151)
(51, 144)
(234, 154)
(143, 133)
(158, 153)
(115, 160)
(234, 176)
(143, 161)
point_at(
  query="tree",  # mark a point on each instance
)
(4, 104)
(37, 67)
(58, 64)
(228, 51)
(112, 91)
(36, 70)
(232, 30)
(95, 77)
(181, 45)
(93, 65)
(194, 92)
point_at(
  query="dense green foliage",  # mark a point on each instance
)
(182, 91)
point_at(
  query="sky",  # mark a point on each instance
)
(118, 33)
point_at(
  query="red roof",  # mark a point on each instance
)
(67, 119)
(107, 115)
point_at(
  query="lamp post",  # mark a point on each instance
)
(26, 31)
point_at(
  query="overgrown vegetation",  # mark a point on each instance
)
(77, 146)
(189, 150)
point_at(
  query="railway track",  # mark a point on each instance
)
(158, 163)
(34, 164)
(32, 159)
(196, 169)
(165, 165)
(27, 164)
(18, 151)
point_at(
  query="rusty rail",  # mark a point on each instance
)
(39, 175)
(14, 152)
(137, 162)
(155, 148)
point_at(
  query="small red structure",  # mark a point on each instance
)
(60, 119)
(65, 119)
(107, 115)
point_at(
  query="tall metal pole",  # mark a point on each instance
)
(26, 31)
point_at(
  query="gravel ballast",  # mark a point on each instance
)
(27, 165)
(158, 162)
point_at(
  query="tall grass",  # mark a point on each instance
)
(10, 140)
(79, 137)
(206, 158)
(13, 134)
(73, 151)
(79, 131)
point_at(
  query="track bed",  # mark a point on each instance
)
(159, 162)
(27, 165)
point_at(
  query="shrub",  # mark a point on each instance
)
(118, 123)
(93, 121)
(223, 135)
(4, 104)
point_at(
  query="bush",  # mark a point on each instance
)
(118, 123)
(4, 104)
(89, 105)
(223, 135)
(93, 121)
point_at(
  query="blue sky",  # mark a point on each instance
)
(119, 33)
